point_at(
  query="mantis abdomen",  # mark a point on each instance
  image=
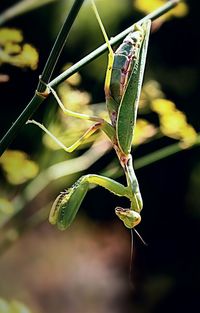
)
(125, 59)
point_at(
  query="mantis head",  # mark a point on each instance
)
(130, 217)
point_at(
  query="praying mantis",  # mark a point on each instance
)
(123, 83)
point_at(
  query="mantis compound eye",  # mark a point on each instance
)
(130, 217)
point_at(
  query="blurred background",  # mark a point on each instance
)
(87, 267)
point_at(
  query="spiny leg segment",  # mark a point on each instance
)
(110, 54)
(68, 202)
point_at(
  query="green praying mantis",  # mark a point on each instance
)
(123, 83)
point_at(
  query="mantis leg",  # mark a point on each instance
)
(136, 202)
(99, 124)
(110, 55)
(71, 148)
(68, 202)
(74, 114)
(103, 125)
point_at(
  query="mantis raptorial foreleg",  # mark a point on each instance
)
(68, 202)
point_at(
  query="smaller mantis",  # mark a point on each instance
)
(122, 90)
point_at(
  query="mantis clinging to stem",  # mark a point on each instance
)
(122, 91)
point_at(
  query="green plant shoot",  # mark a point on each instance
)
(123, 83)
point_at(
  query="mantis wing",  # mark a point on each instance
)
(129, 103)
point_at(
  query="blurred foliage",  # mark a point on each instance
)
(6, 206)
(17, 167)
(147, 6)
(144, 130)
(6, 209)
(173, 122)
(14, 51)
(13, 306)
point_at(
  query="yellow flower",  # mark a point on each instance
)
(189, 136)
(162, 106)
(28, 57)
(152, 90)
(11, 48)
(147, 6)
(144, 130)
(10, 35)
(14, 52)
(75, 99)
(180, 10)
(17, 167)
(173, 123)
